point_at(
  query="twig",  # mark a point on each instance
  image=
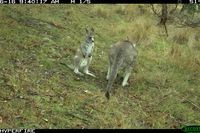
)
(153, 9)
(172, 11)
(5, 98)
(192, 103)
(78, 117)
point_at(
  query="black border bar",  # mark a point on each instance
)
(126, 1)
(109, 130)
(98, 1)
(137, 1)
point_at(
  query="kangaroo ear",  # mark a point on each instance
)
(127, 38)
(92, 29)
(87, 31)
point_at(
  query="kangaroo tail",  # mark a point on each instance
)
(68, 65)
(113, 74)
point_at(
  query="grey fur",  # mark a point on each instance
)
(83, 56)
(122, 55)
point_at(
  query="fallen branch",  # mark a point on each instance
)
(78, 117)
(185, 100)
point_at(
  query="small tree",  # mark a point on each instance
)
(163, 15)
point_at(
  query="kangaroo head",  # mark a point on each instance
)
(89, 35)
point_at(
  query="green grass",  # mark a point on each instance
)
(37, 91)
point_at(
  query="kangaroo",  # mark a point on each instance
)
(122, 55)
(83, 56)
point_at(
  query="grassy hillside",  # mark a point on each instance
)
(38, 91)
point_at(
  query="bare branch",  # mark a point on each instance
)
(195, 105)
(173, 10)
(153, 9)
(187, 22)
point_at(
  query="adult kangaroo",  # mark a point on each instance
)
(122, 55)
